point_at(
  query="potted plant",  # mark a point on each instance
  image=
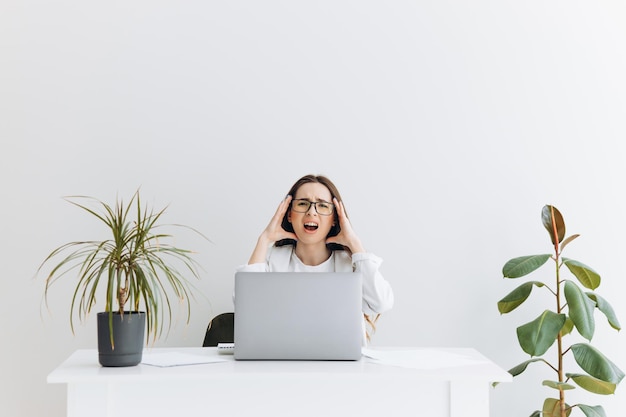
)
(134, 267)
(573, 313)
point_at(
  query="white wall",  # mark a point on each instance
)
(447, 125)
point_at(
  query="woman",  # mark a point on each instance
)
(310, 232)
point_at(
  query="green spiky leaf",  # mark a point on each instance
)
(136, 266)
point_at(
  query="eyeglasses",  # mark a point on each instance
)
(323, 208)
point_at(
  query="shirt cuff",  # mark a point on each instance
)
(259, 267)
(365, 256)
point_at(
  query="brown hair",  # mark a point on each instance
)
(334, 192)
(372, 323)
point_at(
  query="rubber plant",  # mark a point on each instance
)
(575, 302)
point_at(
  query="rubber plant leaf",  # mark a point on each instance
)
(524, 265)
(581, 309)
(551, 408)
(568, 240)
(596, 364)
(586, 276)
(537, 336)
(516, 297)
(516, 370)
(592, 384)
(606, 309)
(558, 385)
(567, 327)
(550, 222)
(596, 411)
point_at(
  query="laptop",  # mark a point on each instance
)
(298, 316)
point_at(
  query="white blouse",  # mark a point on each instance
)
(377, 293)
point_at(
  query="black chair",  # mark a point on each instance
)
(221, 329)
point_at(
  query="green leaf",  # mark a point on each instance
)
(524, 265)
(551, 219)
(567, 327)
(558, 385)
(537, 336)
(596, 364)
(516, 370)
(592, 384)
(581, 309)
(596, 411)
(516, 297)
(606, 309)
(587, 276)
(552, 408)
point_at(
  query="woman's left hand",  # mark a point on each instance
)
(347, 236)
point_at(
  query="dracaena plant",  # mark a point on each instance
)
(575, 302)
(135, 268)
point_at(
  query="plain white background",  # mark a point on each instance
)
(446, 125)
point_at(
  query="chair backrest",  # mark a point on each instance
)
(221, 329)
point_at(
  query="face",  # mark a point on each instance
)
(311, 227)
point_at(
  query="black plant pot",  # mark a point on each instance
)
(128, 338)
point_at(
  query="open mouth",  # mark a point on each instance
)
(310, 226)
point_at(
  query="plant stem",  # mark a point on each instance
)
(559, 339)
(122, 294)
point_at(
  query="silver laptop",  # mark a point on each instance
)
(298, 316)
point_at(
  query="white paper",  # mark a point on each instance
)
(419, 358)
(165, 359)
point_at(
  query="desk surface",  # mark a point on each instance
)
(411, 381)
(460, 364)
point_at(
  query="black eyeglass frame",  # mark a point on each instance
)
(314, 204)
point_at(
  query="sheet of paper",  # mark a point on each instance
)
(165, 359)
(419, 358)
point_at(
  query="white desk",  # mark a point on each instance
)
(281, 388)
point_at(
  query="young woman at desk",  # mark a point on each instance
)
(310, 232)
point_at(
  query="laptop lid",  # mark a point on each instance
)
(298, 316)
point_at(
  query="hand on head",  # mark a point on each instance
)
(346, 237)
(274, 231)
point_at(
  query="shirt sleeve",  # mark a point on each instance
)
(377, 293)
(259, 267)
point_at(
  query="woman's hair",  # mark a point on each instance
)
(372, 324)
(334, 231)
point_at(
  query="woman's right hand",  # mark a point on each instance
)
(274, 230)
(272, 233)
